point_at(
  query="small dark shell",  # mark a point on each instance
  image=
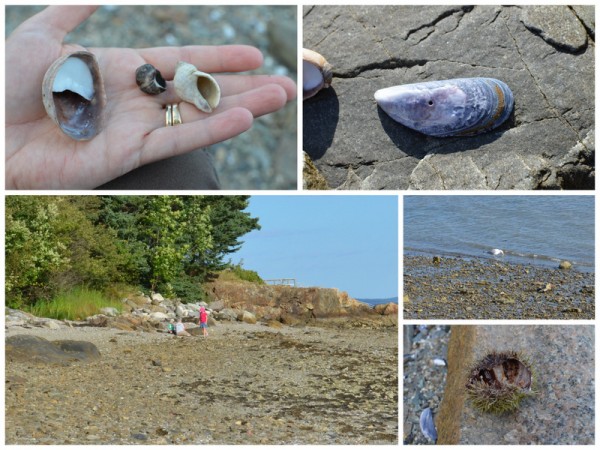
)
(149, 79)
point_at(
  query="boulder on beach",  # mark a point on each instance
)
(35, 349)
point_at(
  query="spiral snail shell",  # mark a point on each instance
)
(196, 87)
(73, 95)
(150, 80)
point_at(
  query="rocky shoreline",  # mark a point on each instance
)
(332, 382)
(457, 288)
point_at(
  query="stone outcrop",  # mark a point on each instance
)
(276, 302)
(228, 301)
(35, 349)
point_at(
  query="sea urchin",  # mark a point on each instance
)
(499, 381)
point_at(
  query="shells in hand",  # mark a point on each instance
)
(196, 87)
(499, 382)
(149, 79)
(73, 95)
(458, 107)
(316, 73)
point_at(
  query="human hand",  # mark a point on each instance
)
(40, 156)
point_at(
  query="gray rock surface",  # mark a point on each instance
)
(545, 54)
(263, 157)
(36, 349)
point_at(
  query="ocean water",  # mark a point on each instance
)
(530, 229)
(378, 301)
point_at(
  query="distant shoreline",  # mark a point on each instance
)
(378, 301)
(480, 288)
(508, 258)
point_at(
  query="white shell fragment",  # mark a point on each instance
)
(196, 87)
(74, 75)
(316, 73)
(439, 362)
(73, 95)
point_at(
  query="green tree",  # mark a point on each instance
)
(229, 223)
(32, 248)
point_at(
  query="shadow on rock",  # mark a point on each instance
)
(321, 116)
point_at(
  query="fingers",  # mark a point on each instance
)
(260, 101)
(270, 94)
(223, 58)
(238, 84)
(60, 20)
(171, 141)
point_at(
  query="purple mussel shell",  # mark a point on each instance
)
(458, 107)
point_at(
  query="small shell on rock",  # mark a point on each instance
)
(316, 73)
(458, 107)
(74, 96)
(196, 87)
(150, 80)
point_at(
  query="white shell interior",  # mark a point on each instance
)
(74, 75)
(311, 76)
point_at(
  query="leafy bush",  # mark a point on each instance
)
(74, 304)
(246, 275)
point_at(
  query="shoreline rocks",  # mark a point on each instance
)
(486, 289)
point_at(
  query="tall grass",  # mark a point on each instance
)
(74, 304)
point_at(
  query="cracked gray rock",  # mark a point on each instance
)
(545, 54)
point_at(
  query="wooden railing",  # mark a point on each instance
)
(282, 282)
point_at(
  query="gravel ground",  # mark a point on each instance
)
(262, 158)
(458, 288)
(423, 380)
(244, 384)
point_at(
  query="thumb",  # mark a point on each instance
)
(60, 20)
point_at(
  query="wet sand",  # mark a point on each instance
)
(458, 288)
(244, 384)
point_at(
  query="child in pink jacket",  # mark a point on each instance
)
(203, 321)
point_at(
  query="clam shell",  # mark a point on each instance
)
(74, 96)
(458, 107)
(150, 80)
(196, 87)
(316, 73)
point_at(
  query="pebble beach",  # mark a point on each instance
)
(245, 384)
(461, 288)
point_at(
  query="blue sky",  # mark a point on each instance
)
(348, 242)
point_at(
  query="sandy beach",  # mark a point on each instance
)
(244, 384)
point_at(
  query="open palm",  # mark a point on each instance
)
(40, 156)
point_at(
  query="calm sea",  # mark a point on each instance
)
(529, 229)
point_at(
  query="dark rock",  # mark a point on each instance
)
(36, 349)
(557, 25)
(547, 144)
